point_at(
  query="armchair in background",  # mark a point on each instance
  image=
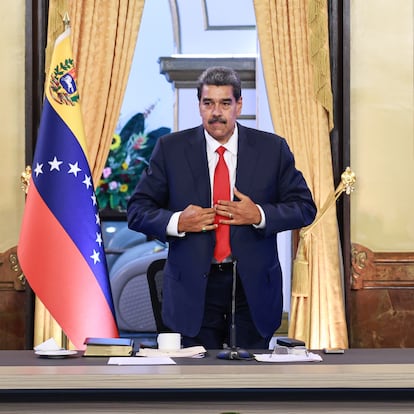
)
(129, 255)
(118, 238)
(130, 292)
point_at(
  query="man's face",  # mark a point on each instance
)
(219, 111)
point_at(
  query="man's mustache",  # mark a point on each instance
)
(215, 119)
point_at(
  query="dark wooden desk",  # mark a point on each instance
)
(380, 376)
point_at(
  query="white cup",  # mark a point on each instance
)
(169, 341)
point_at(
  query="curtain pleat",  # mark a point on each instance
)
(104, 35)
(294, 49)
(104, 38)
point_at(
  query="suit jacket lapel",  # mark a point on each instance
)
(197, 158)
(247, 162)
(247, 159)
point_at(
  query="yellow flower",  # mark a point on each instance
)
(116, 142)
(124, 165)
(123, 188)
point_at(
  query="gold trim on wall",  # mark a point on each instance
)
(381, 299)
(380, 270)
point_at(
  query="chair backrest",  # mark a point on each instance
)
(134, 253)
(122, 240)
(130, 292)
(154, 277)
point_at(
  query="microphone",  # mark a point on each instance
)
(234, 353)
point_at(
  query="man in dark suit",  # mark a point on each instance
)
(174, 202)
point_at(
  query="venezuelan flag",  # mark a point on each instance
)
(60, 247)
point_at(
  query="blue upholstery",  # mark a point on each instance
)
(110, 228)
(131, 254)
(117, 238)
(125, 238)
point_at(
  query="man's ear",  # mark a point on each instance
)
(239, 106)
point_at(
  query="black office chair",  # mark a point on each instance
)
(130, 291)
(154, 278)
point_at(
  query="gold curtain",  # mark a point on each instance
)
(294, 48)
(104, 34)
(104, 38)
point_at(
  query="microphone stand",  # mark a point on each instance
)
(234, 352)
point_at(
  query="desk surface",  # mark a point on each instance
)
(357, 369)
(361, 380)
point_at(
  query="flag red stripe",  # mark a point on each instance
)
(73, 294)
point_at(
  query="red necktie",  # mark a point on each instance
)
(221, 191)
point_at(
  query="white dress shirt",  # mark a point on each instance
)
(230, 156)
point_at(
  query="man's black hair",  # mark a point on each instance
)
(220, 76)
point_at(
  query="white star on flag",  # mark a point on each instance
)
(95, 257)
(74, 169)
(99, 239)
(39, 169)
(55, 164)
(87, 181)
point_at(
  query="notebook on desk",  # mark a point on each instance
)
(109, 347)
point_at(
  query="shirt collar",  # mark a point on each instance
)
(230, 145)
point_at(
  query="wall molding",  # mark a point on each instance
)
(183, 71)
(381, 306)
(373, 270)
(12, 302)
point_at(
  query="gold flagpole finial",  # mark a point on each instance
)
(25, 178)
(66, 20)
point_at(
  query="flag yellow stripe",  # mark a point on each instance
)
(68, 110)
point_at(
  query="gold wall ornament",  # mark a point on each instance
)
(20, 281)
(25, 178)
(11, 274)
(348, 179)
(359, 261)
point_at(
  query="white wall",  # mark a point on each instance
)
(146, 85)
(12, 120)
(382, 124)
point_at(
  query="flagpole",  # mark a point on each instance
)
(65, 339)
(66, 20)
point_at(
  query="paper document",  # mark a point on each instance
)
(191, 352)
(49, 345)
(309, 357)
(140, 361)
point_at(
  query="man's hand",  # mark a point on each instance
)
(195, 219)
(240, 212)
